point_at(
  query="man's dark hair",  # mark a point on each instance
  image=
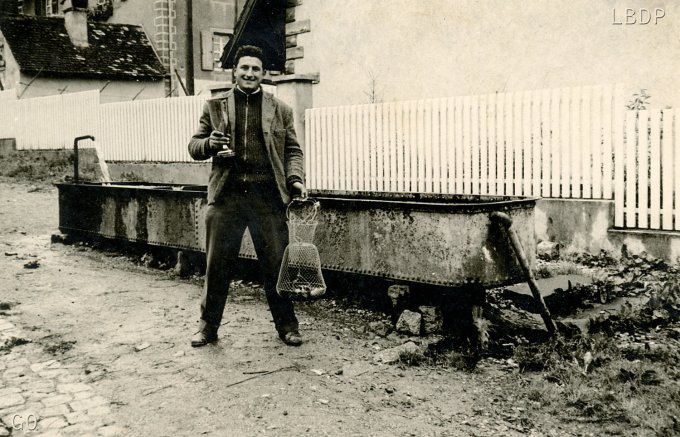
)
(252, 51)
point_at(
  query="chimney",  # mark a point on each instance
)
(75, 20)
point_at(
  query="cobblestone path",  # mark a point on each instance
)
(43, 397)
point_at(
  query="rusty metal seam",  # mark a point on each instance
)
(197, 208)
(136, 240)
(354, 270)
(368, 272)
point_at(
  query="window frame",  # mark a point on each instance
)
(49, 8)
(210, 53)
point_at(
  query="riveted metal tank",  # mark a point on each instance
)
(446, 240)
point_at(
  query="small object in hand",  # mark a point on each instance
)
(219, 144)
(226, 153)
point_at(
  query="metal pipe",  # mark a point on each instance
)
(505, 222)
(75, 155)
(189, 55)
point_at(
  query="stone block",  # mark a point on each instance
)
(68, 378)
(433, 321)
(14, 372)
(353, 370)
(80, 429)
(11, 399)
(57, 410)
(72, 388)
(52, 373)
(291, 41)
(380, 328)
(112, 431)
(18, 362)
(78, 417)
(10, 335)
(52, 423)
(7, 414)
(5, 325)
(296, 27)
(51, 364)
(89, 403)
(36, 397)
(100, 411)
(42, 386)
(389, 356)
(8, 391)
(409, 322)
(27, 407)
(83, 395)
(56, 400)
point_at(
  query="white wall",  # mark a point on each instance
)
(437, 48)
(139, 12)
(10, 75)
(116, 91)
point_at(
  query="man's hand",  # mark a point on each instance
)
(299, 190)
(218, 142)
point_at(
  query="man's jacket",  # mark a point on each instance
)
(283, 149)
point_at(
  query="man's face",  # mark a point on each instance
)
(249, 73)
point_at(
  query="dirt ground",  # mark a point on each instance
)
(124, 329)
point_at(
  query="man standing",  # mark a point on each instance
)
(248, 190)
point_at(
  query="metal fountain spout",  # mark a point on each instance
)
(75, 155)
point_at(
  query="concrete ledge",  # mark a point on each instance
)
(660, 244)
(578, 225)
(587, 225)
(312, 78)
(190, 173)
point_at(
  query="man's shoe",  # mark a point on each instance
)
(203, 337)
(291, 338)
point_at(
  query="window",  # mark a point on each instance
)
(52, 7)
(219, 41)
(212, 45)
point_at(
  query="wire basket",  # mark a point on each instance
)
(300, 274)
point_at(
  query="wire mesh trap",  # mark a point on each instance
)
(300, 274)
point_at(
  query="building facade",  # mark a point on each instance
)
(165, 21)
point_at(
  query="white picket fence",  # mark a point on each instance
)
(49, 122)
(560, 143)
(150, 130)
(648, 172)
(147, 130)
(549, 143)
(564, 143)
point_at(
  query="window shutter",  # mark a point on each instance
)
(206, 51)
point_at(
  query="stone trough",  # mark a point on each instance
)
(446, 240)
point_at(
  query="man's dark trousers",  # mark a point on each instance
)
(257, 206)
